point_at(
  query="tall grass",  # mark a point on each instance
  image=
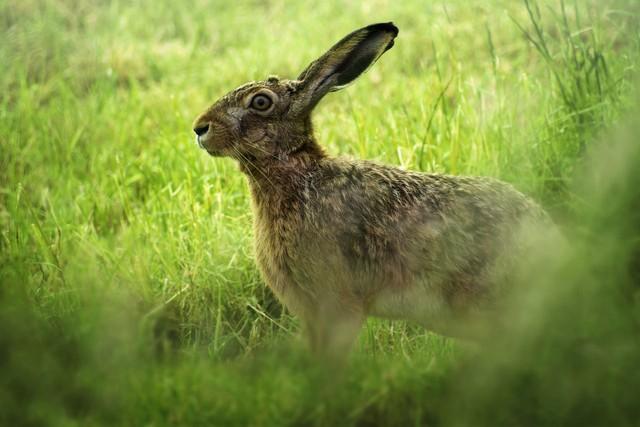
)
(129, 294)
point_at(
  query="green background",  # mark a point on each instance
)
(129, 293)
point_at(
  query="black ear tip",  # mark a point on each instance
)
(392, 29)
(384, 26)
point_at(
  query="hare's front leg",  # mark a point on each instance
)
(332, 328)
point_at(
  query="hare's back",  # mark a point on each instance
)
(402, 227)
(366, 197)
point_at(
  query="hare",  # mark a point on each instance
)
(338, 240)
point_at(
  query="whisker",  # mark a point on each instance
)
(279, 159)
(246, 159)
(266, 177)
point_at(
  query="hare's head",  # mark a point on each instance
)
(271, 118)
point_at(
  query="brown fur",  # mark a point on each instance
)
(338, 239)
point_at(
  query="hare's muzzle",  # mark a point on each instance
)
(201, 131)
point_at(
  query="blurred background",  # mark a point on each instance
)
(128, 289)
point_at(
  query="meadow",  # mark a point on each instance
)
(128, 289)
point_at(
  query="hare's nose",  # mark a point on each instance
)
(201, 130)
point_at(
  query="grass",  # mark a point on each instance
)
(129, 295)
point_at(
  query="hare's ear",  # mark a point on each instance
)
(343, 63)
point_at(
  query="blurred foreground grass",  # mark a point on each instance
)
(128, 290)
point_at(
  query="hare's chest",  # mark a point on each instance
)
(277, 249)
(274, 246)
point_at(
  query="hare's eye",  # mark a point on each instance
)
(261, 102)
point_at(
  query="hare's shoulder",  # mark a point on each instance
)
(350, 176)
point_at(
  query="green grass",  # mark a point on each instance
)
(129, 293)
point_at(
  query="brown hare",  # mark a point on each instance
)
(338, 240)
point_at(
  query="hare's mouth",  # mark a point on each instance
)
(203, 140)
(198, 142)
